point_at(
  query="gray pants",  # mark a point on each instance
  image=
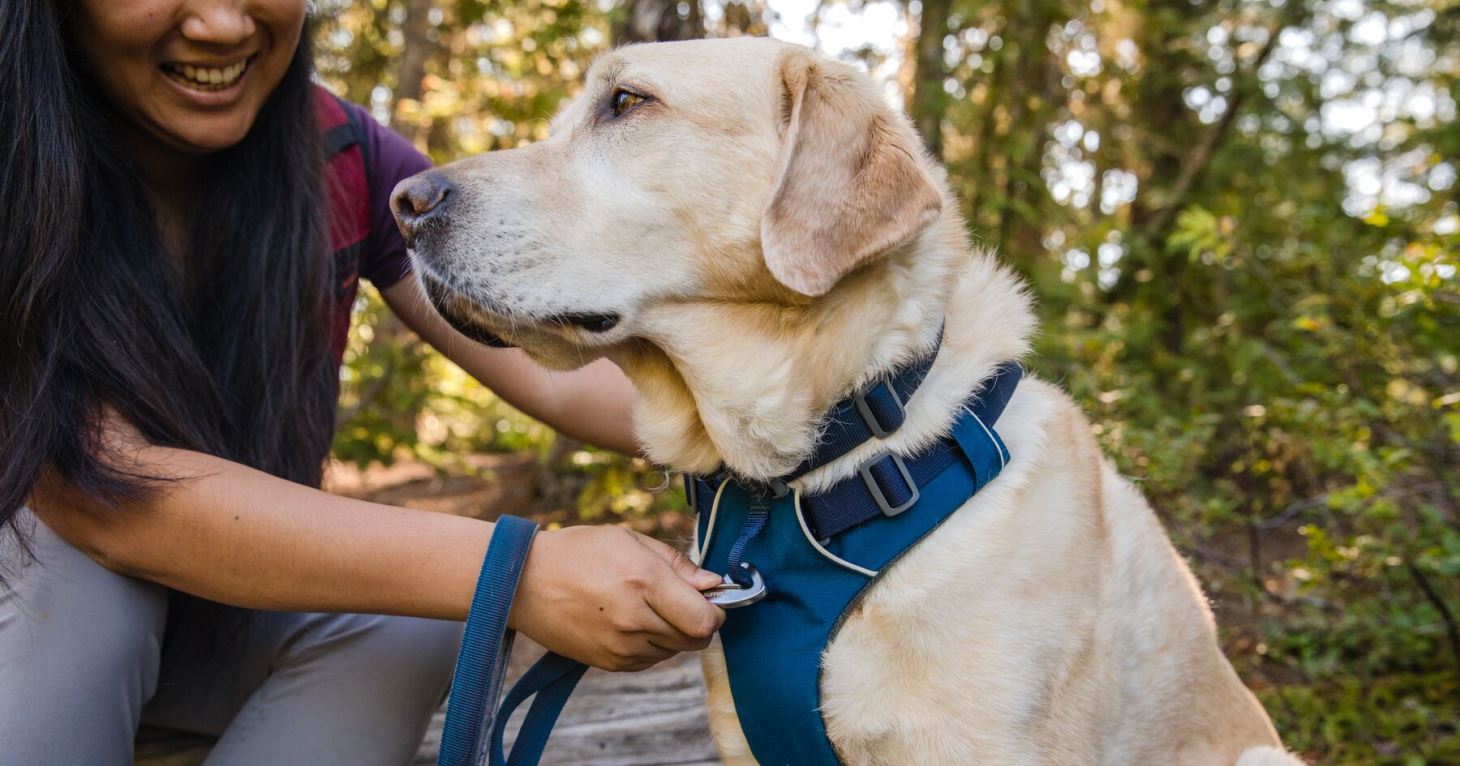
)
(82, 664)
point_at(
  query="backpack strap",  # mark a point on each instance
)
(347, 192)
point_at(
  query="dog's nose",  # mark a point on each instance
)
(420, 199)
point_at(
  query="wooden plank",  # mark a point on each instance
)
(653, 718)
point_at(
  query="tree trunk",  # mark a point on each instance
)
(415, 48)
(649, 21)
(928, 100)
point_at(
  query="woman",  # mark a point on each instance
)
(168, 300)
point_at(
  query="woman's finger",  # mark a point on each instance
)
(681, 564)
(660, 633)
(684, 608)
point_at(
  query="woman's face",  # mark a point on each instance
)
(192, 74)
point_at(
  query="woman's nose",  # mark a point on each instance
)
(220, 22)
(418, 200)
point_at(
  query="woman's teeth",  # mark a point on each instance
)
(205, 78)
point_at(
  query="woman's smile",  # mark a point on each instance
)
(192, 76)
(204, 77)
(208, 85)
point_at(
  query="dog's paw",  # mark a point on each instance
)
(1268, 756)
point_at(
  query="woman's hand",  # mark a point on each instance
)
(613, 599)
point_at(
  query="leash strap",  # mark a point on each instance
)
(482, 662)
(550, 681)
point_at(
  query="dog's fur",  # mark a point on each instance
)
(771, 236)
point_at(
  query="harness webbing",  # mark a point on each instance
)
(755, 519)
(848, 503)
(873, 412)
(773, 650)
(888, 481)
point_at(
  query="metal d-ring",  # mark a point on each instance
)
(730, 594)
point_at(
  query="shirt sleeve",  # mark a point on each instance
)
(390, 159)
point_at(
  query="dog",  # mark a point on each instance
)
(751, 233)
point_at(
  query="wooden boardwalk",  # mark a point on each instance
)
(653, 718)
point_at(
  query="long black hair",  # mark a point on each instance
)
(231, 358)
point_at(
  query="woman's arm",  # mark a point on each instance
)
(593, 404)
(229, 533)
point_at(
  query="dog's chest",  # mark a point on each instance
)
(773, 649)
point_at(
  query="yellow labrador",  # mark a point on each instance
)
(751, 233)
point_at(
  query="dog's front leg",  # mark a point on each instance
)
(724, 723)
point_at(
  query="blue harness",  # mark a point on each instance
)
(818, 552)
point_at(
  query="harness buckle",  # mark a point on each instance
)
(875, 487)
(869, 416)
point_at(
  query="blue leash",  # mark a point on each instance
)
(482, 664)
(552, 680)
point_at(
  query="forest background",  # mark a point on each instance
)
(1240, 220)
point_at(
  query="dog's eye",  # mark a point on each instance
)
(625, 101)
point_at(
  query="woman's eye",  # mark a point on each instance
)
(624, 100)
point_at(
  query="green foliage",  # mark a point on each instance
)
(1274, 354)
(1256, 301)
(401, 399)
(1401, 719)
(493, 71)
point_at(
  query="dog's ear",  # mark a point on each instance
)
(850, 186)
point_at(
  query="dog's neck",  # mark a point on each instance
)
(746, 385)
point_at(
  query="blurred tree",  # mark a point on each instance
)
(927, 99)
(648, 21)
(415, 49)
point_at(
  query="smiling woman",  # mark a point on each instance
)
(180, 242)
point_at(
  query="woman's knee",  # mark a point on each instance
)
(400, 653)
(80, 650)
(61, 610)
(430, 645)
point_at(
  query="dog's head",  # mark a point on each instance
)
(741, 171)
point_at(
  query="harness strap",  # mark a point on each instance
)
(482, 662)
(875, 411)
(887, 484)
(760, 512)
